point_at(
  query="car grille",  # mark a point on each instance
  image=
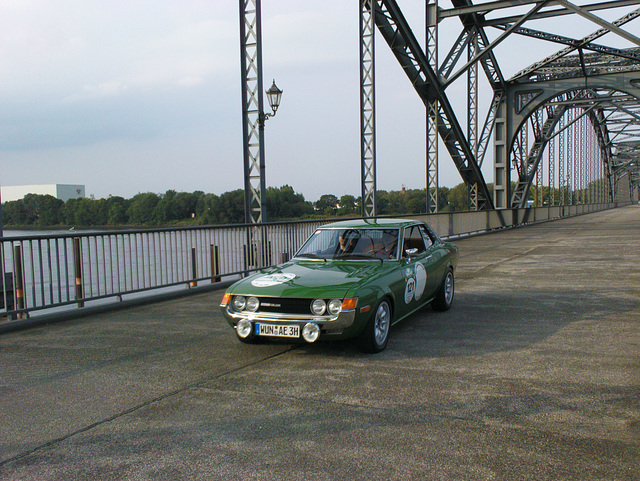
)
(285, 305)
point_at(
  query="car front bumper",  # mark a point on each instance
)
(327, 324)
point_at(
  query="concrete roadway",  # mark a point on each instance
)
(532, 375)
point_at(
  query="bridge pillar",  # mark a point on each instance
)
(501, 157)
(252, 112)
(368, 108)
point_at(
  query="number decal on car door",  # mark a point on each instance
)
(416, 282)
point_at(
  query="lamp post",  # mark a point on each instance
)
(274, 94)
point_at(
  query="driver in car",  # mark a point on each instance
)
(347, 243)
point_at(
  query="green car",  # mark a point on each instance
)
(349, 279)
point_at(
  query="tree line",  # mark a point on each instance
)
(198, 208)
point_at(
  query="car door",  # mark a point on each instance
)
(433, 261)
(416, 269)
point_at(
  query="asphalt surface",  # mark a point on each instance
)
(532, 375)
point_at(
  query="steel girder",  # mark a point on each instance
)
(626, 162)
(510, 112)
(252, 112)
(427, 83)
(477, 44)
(367, 109)
(487, 7)
(602, 82)
(603, 74)
(433, 107)
(535, 71)
(529, 166)
(611, 103)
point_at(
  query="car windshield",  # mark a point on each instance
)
(351, 244)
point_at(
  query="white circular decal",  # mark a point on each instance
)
(409, 290)
(421, 281)
(272, 280)
(416, 283)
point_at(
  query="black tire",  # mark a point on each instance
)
(375, 336)
(444, 296)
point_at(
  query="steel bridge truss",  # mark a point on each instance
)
(567, 126)
(252, 111)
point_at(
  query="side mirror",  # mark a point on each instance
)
(411, 252)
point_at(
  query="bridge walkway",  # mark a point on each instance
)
(532, 375)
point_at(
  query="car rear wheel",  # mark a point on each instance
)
(444, 296)
(375, 336)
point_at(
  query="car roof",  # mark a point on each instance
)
(371, 223)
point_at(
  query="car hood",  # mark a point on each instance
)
(308, 279)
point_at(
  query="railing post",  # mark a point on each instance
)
(245, 259)
(18, 281)
(77, 263)
(194, 271)
(215, 264)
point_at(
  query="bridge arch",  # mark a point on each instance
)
(536, 113)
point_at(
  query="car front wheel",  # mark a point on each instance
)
(375, 336)
(444, 296)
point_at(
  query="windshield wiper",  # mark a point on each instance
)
(353, 256)
(311, 255)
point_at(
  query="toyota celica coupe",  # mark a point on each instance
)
(350, 279)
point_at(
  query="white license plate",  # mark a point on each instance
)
(277, 330)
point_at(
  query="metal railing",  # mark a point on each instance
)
(49, 273)
(45, 272)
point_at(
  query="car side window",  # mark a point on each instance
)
(428, 241)
(413, 240)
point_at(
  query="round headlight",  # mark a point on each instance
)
(310, 332)
(318, 307)
(335, 306)
(239, 302)
(252, 304)
(243, 329)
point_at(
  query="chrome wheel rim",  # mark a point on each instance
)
(448, 288)
(382, 323)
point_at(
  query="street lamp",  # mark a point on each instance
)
(274, 94)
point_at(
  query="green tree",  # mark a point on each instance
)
(347, 205)
(285, 203)
(166, 210)
(84, 212)
(117, 211)
(383, 202)
(443, 197)
(34, 209)
(230, 208)
(185, 205)
(31, 208)
(458, 199)
(208, 205)
(415, 201)
(142, 209)
(326, 204)
(50, 210)
(13, 213)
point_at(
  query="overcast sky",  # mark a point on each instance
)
(128, 96)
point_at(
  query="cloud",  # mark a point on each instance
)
(190, 81)
(107, 89)
(138, 86)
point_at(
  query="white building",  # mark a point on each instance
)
(63, 192)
